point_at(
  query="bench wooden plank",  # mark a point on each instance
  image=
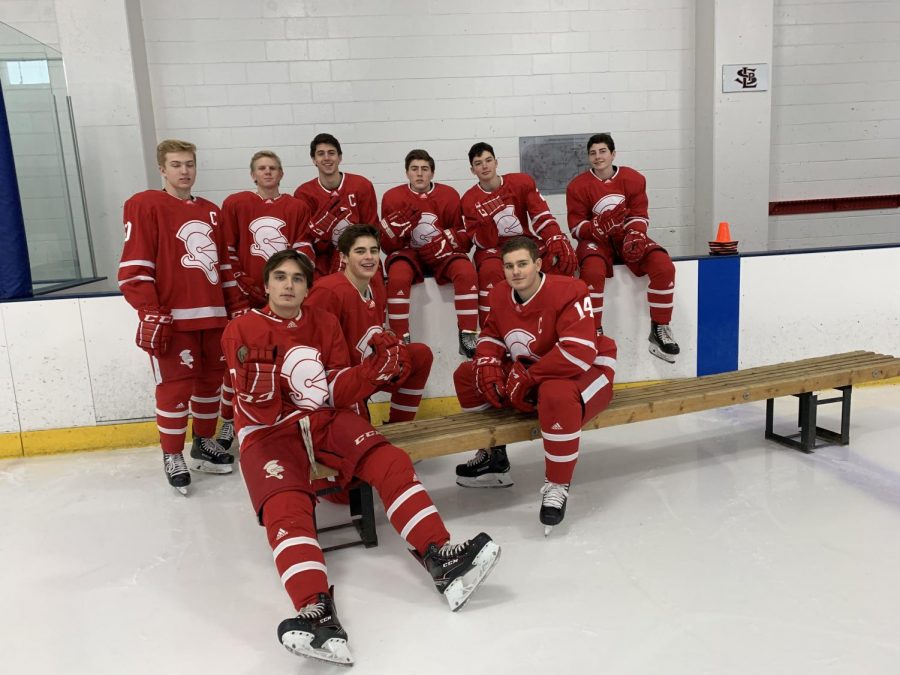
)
(469, 431)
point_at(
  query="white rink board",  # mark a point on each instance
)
(9, 416)
(49, 364)
(121, 378)
(813, 304)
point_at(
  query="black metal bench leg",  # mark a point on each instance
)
(807, 412)
(362, 512)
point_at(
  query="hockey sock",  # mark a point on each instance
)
(661, 289)
(291, 530)
(406, 398)
(407, 504)
(399, 286)
(559, 413)
(226, 407)
(465, 293)
(593, 273)
(172, 408)
(205, 405)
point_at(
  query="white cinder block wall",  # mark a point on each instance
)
(385, 77)
(835, 118)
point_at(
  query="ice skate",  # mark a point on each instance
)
(226, 435)
(316, 632)
(209, 457)
(458, 569)
(488, 468)
(176, 471)
(467, 341)
(662, 344)
(553, 504)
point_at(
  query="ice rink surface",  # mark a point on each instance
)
(691, 546)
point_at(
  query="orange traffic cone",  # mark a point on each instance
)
(724, 234)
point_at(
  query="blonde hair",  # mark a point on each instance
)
(173, 145)
(265, 153)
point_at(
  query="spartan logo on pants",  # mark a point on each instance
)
(303, 370)
(518, 344)
(201, 251)
(425, 230)
(267, 237)
(607, 203)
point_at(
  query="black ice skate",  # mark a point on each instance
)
(176, 471)
(316, 632)
(488, 468)
(553, 504)
(467, 341)
(458, 569)
(209, 457)
(662, 344)
(226, 435)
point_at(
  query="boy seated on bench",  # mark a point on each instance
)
(293, 387)
(537, 351)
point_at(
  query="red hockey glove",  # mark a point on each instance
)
(490, 380)
(399, 224)
(257, 374)
(559, 256)
(324, 221)
(436, 250)
(154, 330)
(383, 364)
(634, 245)
(519, 385)
(254, 294)
(608, 221)
(405, 365)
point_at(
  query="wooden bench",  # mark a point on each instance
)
(462, 432)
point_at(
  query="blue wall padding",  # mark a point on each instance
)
(15, 269)
(718, 312)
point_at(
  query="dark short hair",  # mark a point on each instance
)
(521, 244)
(601, 138)
(351, 234)
(419, 154)
(289, 254)
(324, 139)
(479, 149)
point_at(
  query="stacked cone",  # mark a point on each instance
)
(723, 245)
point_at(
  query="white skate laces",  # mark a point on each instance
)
(174, 463)
(313, 610)
(479, 457)
(555, 494)
(664, 333)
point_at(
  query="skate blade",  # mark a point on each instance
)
(488, 480)
(334, 650)
(181, 490)
(462, 587)
(660, 354)
(547, 530)
(203, 466)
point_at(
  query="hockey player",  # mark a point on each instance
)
(258, 224)
(359, 306)
(422, 231)
(174, 273)
(335, 200)
(537, 351)
(498, 208)
(293, 385)
(607, 214)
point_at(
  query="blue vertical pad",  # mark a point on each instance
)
(718, 312)
(15, 270)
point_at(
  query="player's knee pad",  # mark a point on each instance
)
(291, 510)
(558, 396)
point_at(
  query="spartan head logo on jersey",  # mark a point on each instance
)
(303, 370)
(273, 469)
(363, 345)
(341, 225)
(201, 251)
(508, 224)
(267, 237)
(518, 344)
(425, 230)
(607, 203)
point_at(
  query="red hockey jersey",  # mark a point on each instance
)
(525, 212)
(359, 317)
(553, 330)
(174, 257)
(257, 228)
(313, 365)
(439, 208)
(588, 196)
